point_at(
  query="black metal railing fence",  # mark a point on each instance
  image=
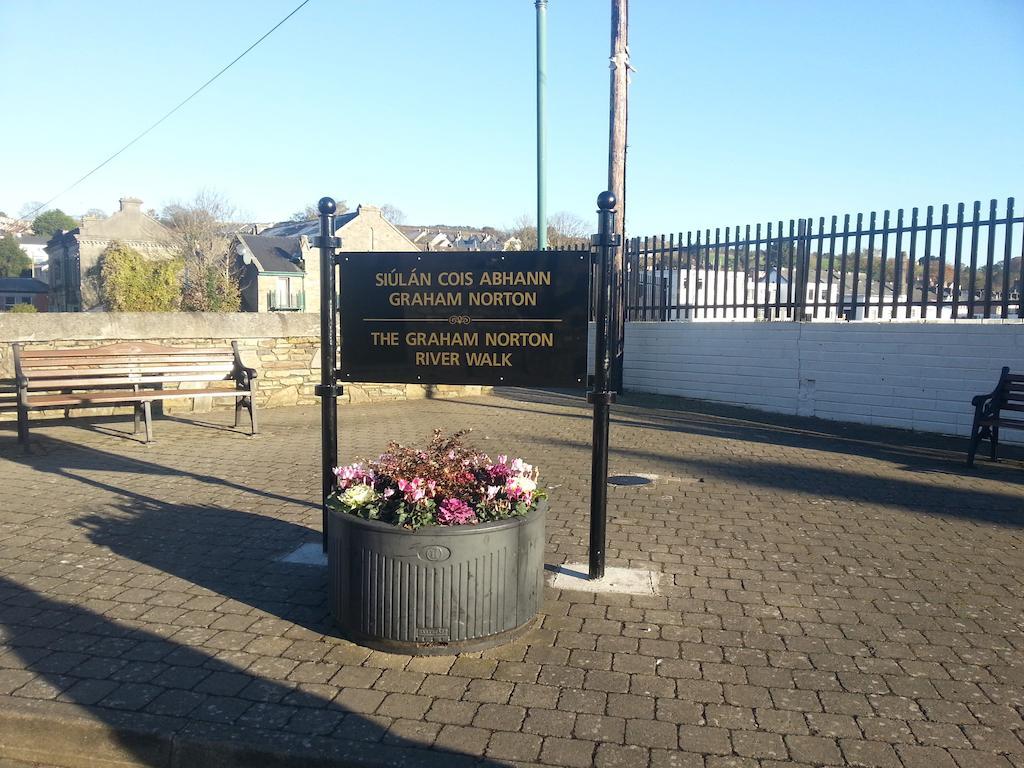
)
(952, 265)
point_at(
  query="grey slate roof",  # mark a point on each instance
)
(309, 228)
(274, 254)
(22, 285)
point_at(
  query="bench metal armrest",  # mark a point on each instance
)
(19, 375)
(244, 375)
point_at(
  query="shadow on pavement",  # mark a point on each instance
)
(157, 694)
(910, 450)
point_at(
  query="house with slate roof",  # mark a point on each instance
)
(272, 274)
(280, 270)
(23, 290)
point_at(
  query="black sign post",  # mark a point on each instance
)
(327, 390)
(491, 318)
(601, 397)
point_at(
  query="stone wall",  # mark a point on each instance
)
(284, 348)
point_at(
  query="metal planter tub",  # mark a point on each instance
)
(436, 590)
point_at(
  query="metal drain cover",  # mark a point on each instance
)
(631, 479)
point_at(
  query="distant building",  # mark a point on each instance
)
(444, 238)
(280, 270)
(35, 247)
(74, 255)
(272, 275)
(23, 290)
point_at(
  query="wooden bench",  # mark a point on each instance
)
(132, 373)
(988, 413)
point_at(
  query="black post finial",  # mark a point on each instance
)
(327, 205)
(606, 201)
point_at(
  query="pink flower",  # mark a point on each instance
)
(413, 489)
(353, 474)
(455, 512)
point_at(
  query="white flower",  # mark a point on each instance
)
(359, 495)
(524, 484)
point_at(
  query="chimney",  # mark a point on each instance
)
(130, 204)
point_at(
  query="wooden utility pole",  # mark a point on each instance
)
(617, 173)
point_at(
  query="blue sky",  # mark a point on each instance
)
(740, 111)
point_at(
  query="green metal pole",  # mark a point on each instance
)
(542, 75)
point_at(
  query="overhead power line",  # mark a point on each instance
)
(181, 104)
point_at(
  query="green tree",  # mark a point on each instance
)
(14, 262)
(48, 223)
(23, 308)
(129, 282)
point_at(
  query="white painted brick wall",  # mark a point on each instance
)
(915, 375)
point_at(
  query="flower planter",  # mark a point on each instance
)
(436, 590)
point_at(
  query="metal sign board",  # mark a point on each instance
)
(465, 317)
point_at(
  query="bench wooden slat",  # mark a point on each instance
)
(1001, 422)
(39, 385)
(129, 349)
(35, 365)
(156, 370)
(125, 396)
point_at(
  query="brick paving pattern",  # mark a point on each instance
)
(830, 595)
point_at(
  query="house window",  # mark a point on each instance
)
(25, 299)
(283, 292)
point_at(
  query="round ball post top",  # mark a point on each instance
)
(327, 205)
(606, 201)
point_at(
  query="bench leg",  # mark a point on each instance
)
(138, 418)
(976, 436)
(23, 427)
(148, 414)
(239, 405)
(993, 440)
(250, 404)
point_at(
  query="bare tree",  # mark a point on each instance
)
(201, 233)
(564, 230)
(392, 213)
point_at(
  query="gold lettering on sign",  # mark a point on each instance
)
(443, 339)
(490, 359)
(438, 358)
(515, 278)
(503, 339)
(396, 279)
(503, 299)
(438, 299)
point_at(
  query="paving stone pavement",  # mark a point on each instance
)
(830, 595)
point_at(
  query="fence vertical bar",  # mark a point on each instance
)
(1020, 280)
(958, 242)
(883, 271)
(817, 265)
(856, 263)
(600, 397)
(831, 267)
(690, 313)
(940, 283)
(727, 241)
(800, 290)
(778, 270)
(666, 282)
(872, 220)
(1004, 311)
(746, 270)
(841, 298)
(757, 269)
(714, 295)
(990, 253)
(707, 269)
(926, 270)
(767, 270)
(911, 262)
(973, 286)
(790, 270)
(897, 282)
